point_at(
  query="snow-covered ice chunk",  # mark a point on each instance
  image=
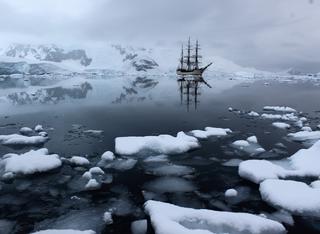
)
(38, 128)
(64, 231)
(139, 226)
(92, 184)
(249, 146)
(170, 184)
(281, 216)
(286, 117)
(305, 162)
(304, 135)
(96, 170)
(296, 197)
(279, 108)
(162, 144)
(107, 217)
(171, 219)
(108, 156)
(87, 175)
(281, 125)
(122, 164)
(26, 131)
(30, 162)
(43, 134)
(79, 161)
(253, 114)
(230, 193)
(16, 139)
(210, 131)
(306, 128)
(170, 170)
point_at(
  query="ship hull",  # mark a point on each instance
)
(197, 72)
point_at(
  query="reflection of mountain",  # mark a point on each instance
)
(10, 68)
(50, 95)
(137, 90)
(50, 53)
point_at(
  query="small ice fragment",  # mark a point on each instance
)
(108, 156)
(139, 226)
(96, 170)
(231, 193)
(281, 125)
(107, 218)
(92, 184)
(38, 128)
(79, 161)
(26, 131)
(253, 114)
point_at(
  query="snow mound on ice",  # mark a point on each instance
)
(249, 146)
(210, 131)
(286, 117)
(279, 108)
(304, 135)
(16, 139)
(305, 162)
(162, 144)
(171, 219)
(296, 197)
(79, 161)
(30, 162)
(281, 125)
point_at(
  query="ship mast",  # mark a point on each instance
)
(197, 56)
(181, 60)
(188, 56)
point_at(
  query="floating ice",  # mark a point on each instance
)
(210, 131)
(108, 156)
(157, 158)
(26, 131)
(43, 134)
(30, 162)
(231, 193)
(280, 216)
(96, 170)
(16, 139)
(279, 108)
(281, 125)
(122, 164)
(139, 226)
(305, 162)
(304, 136)
(253, 114)
(232, 162)
(170, 219)
(94, 133)
(107, 218)
(170, 170)
(79, 161)
(64, 231)
(92, 184)
(249, 146)
(38, 128)
(296, 197)
(87, 175)
(286, 117)
(162, 144)
(170, 184)
(306, 128)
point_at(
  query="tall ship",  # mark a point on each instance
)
(190, 61)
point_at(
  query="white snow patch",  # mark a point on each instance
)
(249, 146)
(210, 131)
(30, 162)
(279, 108)
(304, 136)
(92, 184)
(253, 114)
(281, 125)
(170, 219)
(38, 128)
(296, 197)
(162, 144)
(16, 139)
(108, 156)
(286, 117)
(79, 161)
(231, 193)
(26, 131)
(96, 170)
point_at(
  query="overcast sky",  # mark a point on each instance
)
(266, 34)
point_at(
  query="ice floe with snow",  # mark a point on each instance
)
(249, 146)
(253, 114)
(31, 162)
(121, 164)
(279, 108)
(281, 125)
(305, 162)
(210, 131)
(302, 136)
(16, 139)
(79, 161)
(162, 144)
(296, 197)
(286, 117)
(168, 218)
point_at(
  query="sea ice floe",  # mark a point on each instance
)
(230, 193)
(304, 136)
(170, 170)
(286, 117)
(96, 170)
(253, 114)
(30, 162)
(162, 144)
(281, 216)
(156, 159)
(172, 219)
(210, 131)
(296, 197)
(26, 131)
(79, 161)
(92, 184)
(16, 139)
(279, 108)
(64, 231)
(306, 128)
(232, 162)
(139, 226)
(108, 156)
(170, 184)
(38, 128)
(281, 125)
(107, 217)
(305, 162)
(43, 134)
(121, 164)
(249, 146)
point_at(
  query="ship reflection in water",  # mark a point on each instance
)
(190, 90)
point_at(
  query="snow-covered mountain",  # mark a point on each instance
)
(50, 53)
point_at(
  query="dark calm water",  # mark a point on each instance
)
(131, 106)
